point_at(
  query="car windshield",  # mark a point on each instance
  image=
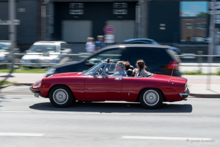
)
(93, 69)
(4, 47)
(43, 49)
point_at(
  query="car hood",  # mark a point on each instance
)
(39, 56)
(168, 78)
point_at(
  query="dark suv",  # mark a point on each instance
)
(156, 57)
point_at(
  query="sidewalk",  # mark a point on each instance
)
(197, 84)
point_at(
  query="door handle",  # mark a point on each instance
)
(118, 79)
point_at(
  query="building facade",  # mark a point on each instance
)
(75, 20)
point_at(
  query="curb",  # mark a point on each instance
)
(4, 86)
(22, 84)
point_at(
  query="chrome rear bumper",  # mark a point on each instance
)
(184, 95)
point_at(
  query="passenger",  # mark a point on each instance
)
(119, 69)
(128, 68)
(140, 70)
(127, 65)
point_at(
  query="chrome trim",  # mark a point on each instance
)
(184, 95)
(35, 90)
(118, 79)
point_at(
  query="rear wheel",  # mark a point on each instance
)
(61, 96)
(151, 98)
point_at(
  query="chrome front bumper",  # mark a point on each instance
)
(184, 95)
(35, 91)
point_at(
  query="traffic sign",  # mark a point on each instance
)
(109, 29)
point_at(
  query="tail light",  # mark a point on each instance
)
(173, 65)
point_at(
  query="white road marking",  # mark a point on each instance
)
(165, 138)
(21, 134)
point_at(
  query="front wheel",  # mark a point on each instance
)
(151, 98)
(61, 96)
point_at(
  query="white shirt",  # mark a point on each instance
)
(90, 47)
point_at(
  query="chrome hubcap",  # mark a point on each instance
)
(151, 97)
(60, 96)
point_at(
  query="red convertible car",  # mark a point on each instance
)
(99, 83)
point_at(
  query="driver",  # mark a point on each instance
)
(119, 69)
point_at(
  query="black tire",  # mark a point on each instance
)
(151, 98)
(61, 96)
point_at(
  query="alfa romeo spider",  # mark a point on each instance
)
(99, 84)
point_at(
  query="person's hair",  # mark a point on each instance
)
(121, 64)
(100, 36)
(127, 65)
(141, 64)
(90, 39)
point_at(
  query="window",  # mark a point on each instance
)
(188, 26)
(109, 69)
(114, 54)
(132, 54)
(64, 46)
(43, 49)
(4, 47)
(93, 69)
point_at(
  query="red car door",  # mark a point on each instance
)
(98, 88)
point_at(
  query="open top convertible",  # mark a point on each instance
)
(99, 83)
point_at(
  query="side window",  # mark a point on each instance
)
(114, 54)
(64, 46)
(132, 54)
(163, 56)
(147, 41)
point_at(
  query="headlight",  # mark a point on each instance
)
(51, 71)
(37, 84)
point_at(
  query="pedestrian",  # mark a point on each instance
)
(100, 42)
(90, 45)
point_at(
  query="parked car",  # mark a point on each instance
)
(157, 58)
(46, 53)
(149, 41)
(99, 84)
(5, 56)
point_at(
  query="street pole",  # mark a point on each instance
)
(12, 31)
(211, 43)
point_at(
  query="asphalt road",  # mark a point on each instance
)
(26, 121)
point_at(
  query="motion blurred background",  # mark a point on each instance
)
(184, 25)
